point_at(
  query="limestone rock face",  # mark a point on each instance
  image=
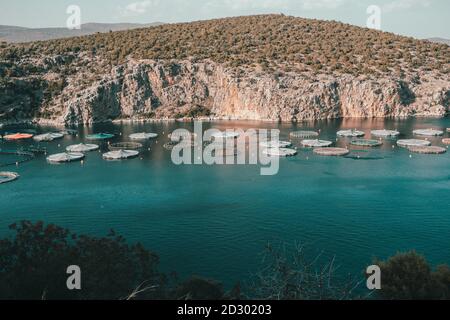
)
(148, 89)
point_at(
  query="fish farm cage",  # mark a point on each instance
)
(125, 146)
(303, 134)
(427, 150)
(366, 143)
(316, 143)
(385, 133)
(100, 136)
(280, 152)
(14, 157)
(353, 133)
(336, 152)
(65, 157)
(47, 137)
(428, 132)
(413, 143)
(82, 147)
(275, 144)
(6, 176)
(120, 154)
(143, 136)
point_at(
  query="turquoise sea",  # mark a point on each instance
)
(214, 221)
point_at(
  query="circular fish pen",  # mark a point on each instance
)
(178, 136)
(427, 150)
(185, 144)
(125, 146)
(303, 134)
(7, 176)
(99, 136)
(336, 152)
(385, 133)
(35, 149)
(120, 154)
(226, 152)
(316, 143)
(353, 133)
(280, 152)
(65, 157)
(413, 143)
(428, 132)
(366, 143)
(143, 136)
(47, 137)
(18, 136)
(69, 132)
(14, 157)
(81, 148)
(275, 144)
(225, 135)
(446, 141)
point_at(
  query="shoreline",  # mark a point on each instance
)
(58, 124)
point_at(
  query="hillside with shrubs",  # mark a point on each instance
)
(270, 45)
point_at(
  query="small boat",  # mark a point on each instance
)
(18, 136)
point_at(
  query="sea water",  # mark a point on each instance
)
(215, 221)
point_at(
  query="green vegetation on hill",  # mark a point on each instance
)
(267, 42)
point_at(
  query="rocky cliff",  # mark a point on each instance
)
(154, 90)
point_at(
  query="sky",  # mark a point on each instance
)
(417, 18)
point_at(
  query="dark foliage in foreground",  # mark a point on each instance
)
(33, 266)
(290, 274)
(408, 276)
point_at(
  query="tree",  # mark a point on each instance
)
(408, 276)
(33, 265)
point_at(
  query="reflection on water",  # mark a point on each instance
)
(215, 220)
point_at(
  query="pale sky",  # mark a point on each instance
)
(417, 18)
